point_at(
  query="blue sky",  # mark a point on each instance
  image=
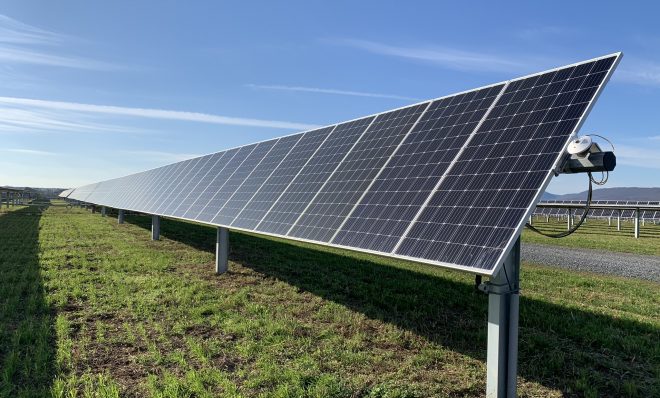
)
(95, 90)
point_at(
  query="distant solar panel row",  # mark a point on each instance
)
(448, 181)
(65, 193)
(601, 213)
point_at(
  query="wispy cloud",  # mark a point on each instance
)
(328, 91)
(535, 33)
(30, 120)
(445, 56)
(640, 72)
(638, 156)
(21, 43)
(655, 138)
(13, 54)
(160, 156)
(17, 32)
(29, 105)
(29, 152)
(11, 78)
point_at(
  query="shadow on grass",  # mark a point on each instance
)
(578, 352)
(27, 333)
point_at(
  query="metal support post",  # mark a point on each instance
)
(547, 219)
(636, 223)
(120, 216)
(503, 304)
(568, 220)
(618, 221)
(155, 227)
(609, 221)
(222, 251)
(102, 211)
(531, 219)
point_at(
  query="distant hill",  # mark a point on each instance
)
(549, 196)
(629, 193)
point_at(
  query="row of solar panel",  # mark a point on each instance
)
(602, 213)
(447, 181)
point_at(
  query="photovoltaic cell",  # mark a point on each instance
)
(258, 206)
(307, 183)
(484, 197)
(346, 185)
(397, 194)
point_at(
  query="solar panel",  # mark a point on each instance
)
(255, 180)
(342, 190)
(166, 183)
(270, 191)
(595, 212)
(304, 187)
(400, 190)
(483, 198)
(448, 182)
(217, 181)
(215, 165)
(235, 180)
(174, 190)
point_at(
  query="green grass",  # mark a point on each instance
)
(89, 308)
(597, 234)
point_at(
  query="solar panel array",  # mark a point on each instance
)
(600, 213)
(447, 182)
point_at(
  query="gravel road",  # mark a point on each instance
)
(603, 262)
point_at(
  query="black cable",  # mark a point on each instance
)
(508, 282)
(576, 226)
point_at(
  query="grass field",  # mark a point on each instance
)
(89, 308)
(597, 234)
